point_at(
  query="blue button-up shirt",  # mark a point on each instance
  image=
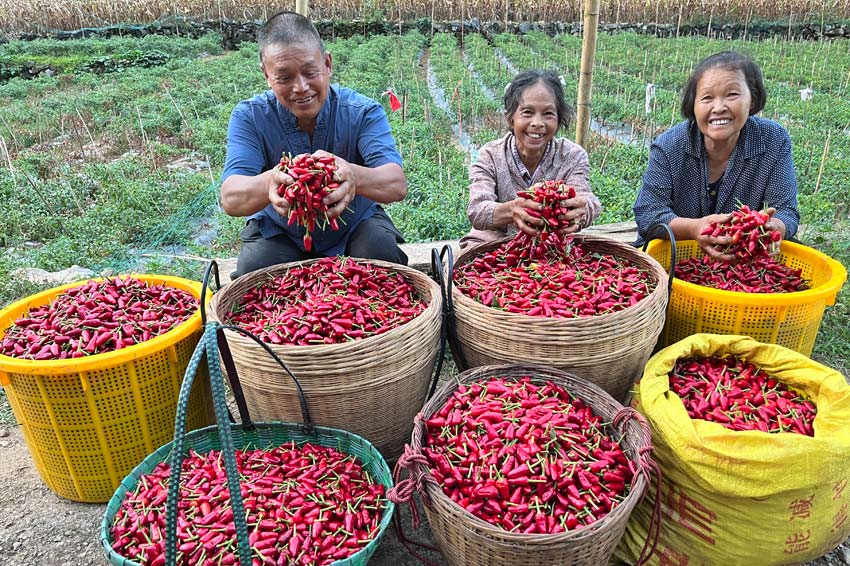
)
(760, 174)
(349, 125)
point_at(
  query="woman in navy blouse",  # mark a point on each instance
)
(722, 156)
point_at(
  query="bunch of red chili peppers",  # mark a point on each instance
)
(97, 317)
(740, 396)
(548, 274)
(745, 228)
(305, 505)
(527, 457)
(754, 270)
(330, 301)
(314, 180)
(551, 195)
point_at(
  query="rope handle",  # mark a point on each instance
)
(308, 427)
(443, 274)
(647, 467)
(672, 270)
(212, 266)
(210, 346)
(415, 463)
(435, 265)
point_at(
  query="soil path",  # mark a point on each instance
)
(37, 527)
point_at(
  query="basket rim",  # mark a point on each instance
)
(105, 359)
(827, 290)
(620, 513)
(162, 453)
(433, 308)
(655, 267)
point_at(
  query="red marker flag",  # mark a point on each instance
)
(395, 104)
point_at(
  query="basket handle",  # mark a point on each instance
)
(657, 228)
(647, 467)
(415, 463)
(445, 283)
(211, 266)
(308, 427)
(206, 346)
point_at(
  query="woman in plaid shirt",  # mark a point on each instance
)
(720, 157)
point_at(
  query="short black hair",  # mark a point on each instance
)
(730, 61)
(525, 79)
(287, 28)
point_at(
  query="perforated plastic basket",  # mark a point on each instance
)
(788, 319)
(89, 421)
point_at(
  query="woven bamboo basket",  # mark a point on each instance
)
(466, 540)
(371, 387)
(609, 350)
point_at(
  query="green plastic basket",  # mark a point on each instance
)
(228, 437)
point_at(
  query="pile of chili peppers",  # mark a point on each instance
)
(551, 195)
(758, 275)
(568, 282)
(314, 178)
(97, 317)
(306, 504)
(527, 457)
(548, 274)
(330, 301)
(740, 396)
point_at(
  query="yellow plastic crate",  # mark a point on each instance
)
(788, 319)
(89, 421)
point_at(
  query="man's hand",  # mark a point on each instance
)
(339, 198)
(276, 179)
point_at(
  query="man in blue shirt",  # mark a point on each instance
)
(303, 113)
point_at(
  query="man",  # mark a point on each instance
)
(303, 113)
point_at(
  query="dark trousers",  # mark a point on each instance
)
(374, 238)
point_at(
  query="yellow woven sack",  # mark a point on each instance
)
(744, 497)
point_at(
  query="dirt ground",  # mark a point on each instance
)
(37, 527)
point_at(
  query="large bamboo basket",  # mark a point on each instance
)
(609, 350)
(466, 540)
(372, 387)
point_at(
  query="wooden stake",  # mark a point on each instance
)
(46, 202)
(822, 161)
(403, 106)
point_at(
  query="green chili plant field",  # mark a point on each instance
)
(111, 163)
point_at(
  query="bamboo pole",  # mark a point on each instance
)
(303, 7)
(585, 81)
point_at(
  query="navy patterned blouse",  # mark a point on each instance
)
(760, 174)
